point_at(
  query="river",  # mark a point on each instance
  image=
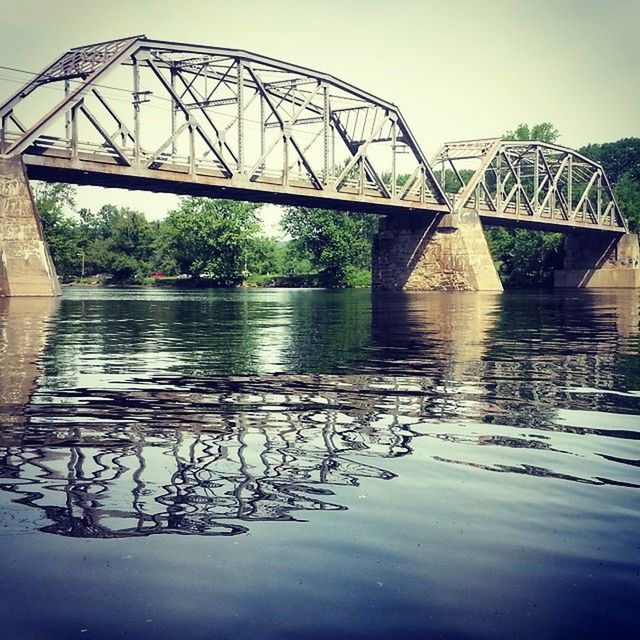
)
(320, 464)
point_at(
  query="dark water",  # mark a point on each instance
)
(309, 464)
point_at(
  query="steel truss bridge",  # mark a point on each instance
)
(189, 119)
(528, 182)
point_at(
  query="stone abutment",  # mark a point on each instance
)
(595, 260)
(413, 252)
(26, 268)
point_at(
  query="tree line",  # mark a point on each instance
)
(220, 242)
(217, 242)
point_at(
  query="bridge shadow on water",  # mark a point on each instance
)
(119, 418)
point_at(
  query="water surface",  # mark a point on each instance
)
(315, 464)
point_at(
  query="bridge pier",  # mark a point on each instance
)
(412, 252)
(26, 268)
(599, 261)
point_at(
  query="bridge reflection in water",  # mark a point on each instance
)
(208, 454)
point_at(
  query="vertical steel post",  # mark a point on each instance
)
(67, 115)
(240, 96)
(174, 146)
(570, 188)
(536, 180)
(285, 153)
(394, 142)
(327, 133)
(205, 68)
(333, 153)
(263, 128)
(74, 131)
(192, 150)
(518, 177)
(498, 183)
(599, 196)
(136, 109)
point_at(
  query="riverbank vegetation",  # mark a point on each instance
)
(206, 242)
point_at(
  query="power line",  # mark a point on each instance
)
(18, 70)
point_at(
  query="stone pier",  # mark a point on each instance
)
(26, 268)
(411, 252)
(600, 260)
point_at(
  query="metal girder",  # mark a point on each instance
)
(530, 183)
(209, 113)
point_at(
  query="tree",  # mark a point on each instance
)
(617, 158)
(118, 241)
(211, 238)
(627, 192)
(61, 232)
(526, 258)
(451, 183)
(266, 255)
(543, 132)
(337, 243)
(621, 162)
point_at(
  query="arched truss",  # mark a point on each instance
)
(528, 183)
(157, 115)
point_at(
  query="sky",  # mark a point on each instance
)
(457, 69)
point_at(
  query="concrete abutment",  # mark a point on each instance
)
(26, 268)
(595, 260)
(412, 252)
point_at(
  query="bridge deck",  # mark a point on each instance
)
(176, 179)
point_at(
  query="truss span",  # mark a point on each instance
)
(164, 116)
(528, 183)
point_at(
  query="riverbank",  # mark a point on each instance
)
(355, 279)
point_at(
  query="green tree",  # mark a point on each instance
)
(451, 181)
(211, 238)
(119, 241)
(618, 158)
(337, 243)
(295, 261)
(627, 192)
(543, 132)
(61, 232)
(266, 255)
(526, 258)
(621, 162)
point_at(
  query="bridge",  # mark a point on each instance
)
(190, 119)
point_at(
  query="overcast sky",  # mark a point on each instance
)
(457, 69)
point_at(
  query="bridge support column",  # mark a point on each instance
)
(600, 260)
(26, 268)
(412, 253)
